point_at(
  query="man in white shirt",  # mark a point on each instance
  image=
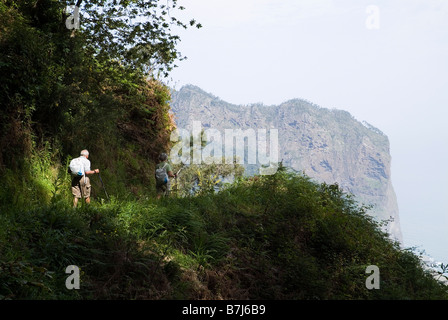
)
(81, 184)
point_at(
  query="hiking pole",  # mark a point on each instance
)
(175, 177)
(179, 171)
(99, 174)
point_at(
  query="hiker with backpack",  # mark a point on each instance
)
(163, 174)
(80, 168)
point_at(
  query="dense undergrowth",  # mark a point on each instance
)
(270, 237)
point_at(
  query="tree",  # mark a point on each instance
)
(64, 89)
(196, 179)
(203, 178)
(137, 33)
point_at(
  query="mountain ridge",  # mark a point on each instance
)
(329, 145)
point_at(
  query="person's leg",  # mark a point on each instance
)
(160, 190)
(76, 191)
(167, 188)
(86, 188)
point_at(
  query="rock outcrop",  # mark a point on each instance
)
(329, 145)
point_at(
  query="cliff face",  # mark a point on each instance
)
(329, 145)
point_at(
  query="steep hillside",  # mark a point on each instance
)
(280, 236)
(329, 145)
(57, 97)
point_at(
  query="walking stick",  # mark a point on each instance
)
(175, 177)
(178, 171)
(99, 174)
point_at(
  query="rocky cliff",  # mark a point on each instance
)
(329, 145)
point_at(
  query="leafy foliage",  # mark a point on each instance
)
(59, 96)
(200, 179)
(266, 237)
(137, 33)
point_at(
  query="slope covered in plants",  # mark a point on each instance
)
(60, 95)
(273, 237)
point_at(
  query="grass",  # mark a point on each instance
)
(274, 237)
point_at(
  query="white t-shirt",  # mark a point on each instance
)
(85, 164)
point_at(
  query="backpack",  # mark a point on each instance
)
(161, 175)
(76, 167)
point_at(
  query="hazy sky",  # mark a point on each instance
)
(384, 61)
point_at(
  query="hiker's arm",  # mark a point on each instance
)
(170, 174)
(93, 171)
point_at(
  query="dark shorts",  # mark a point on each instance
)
(163, 188)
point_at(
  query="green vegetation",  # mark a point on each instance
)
(265, 237)
(59, 95)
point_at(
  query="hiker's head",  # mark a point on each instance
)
(163, 157)
(85, 153)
